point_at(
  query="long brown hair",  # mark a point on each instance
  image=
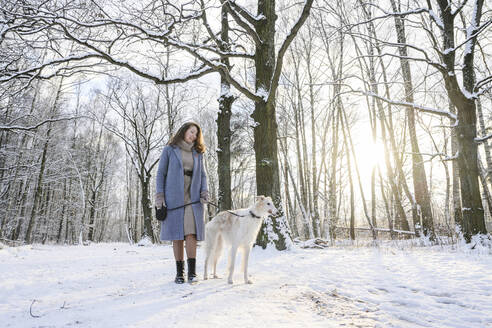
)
(199, 144)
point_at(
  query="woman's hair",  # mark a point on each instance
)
(199, 144)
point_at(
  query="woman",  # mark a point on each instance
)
(181, 180)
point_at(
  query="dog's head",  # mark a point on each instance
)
(265, 205)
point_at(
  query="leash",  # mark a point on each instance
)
(241, 216)
(215, 205)
(175, 208)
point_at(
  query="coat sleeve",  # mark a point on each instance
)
(162, 171)
(203, 186)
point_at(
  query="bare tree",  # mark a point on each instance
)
(139, 115)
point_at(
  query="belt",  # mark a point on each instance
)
(188, 172)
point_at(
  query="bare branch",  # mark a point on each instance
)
(460, 7)
(243, 12)
(483, 139)
(285, 45)
(9, 127)
(420, 108)
(245, 25)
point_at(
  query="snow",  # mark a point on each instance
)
(470, 31)
(468, 94)
(436, 19)
(262, 93)
(225, 90)
(118, 285)
(447, 51)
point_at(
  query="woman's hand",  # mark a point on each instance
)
(204, 197)
(159, 200)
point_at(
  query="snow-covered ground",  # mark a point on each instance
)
(118, 285)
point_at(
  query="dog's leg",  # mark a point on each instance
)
(205, 266)
(209, 245)
(246, 251)
(232, 261)
(217, 253)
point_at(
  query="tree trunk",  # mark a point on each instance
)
(471, 200)
(466, 129)
(146, 205)
(226, 99)
(344, 125)
(421, 191)
(265, 130)
(457, 214)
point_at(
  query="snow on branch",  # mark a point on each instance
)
(436, 19)
(157, 79)
(243, 12)
(11, 127)
(471, 34)
(480, 84)
(460, 8)
(483, 139)
(244, 24)
(7, 75)
(444, 157)
(207, 25)
(420, 108)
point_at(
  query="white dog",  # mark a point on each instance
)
(238, 229)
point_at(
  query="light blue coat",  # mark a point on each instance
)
(170, 181)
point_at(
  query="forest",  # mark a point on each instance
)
(361, 119)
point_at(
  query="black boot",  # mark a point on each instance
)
(192, 271)
(179, 272)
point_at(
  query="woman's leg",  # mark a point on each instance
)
(178, 250)
(190, 246)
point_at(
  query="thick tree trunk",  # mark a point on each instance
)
(226, 99)
(224, 148)
(466, 129)
(265, 130)
(471, 200)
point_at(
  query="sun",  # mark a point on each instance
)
(369, 155)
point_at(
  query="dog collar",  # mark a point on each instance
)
(254, 215)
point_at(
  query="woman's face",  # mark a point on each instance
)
(190, 134)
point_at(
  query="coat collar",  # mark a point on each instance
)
(177, 152)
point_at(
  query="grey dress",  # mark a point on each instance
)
(189, 217)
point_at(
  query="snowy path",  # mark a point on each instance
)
(116, 285)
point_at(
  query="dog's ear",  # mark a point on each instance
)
(258, 198)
